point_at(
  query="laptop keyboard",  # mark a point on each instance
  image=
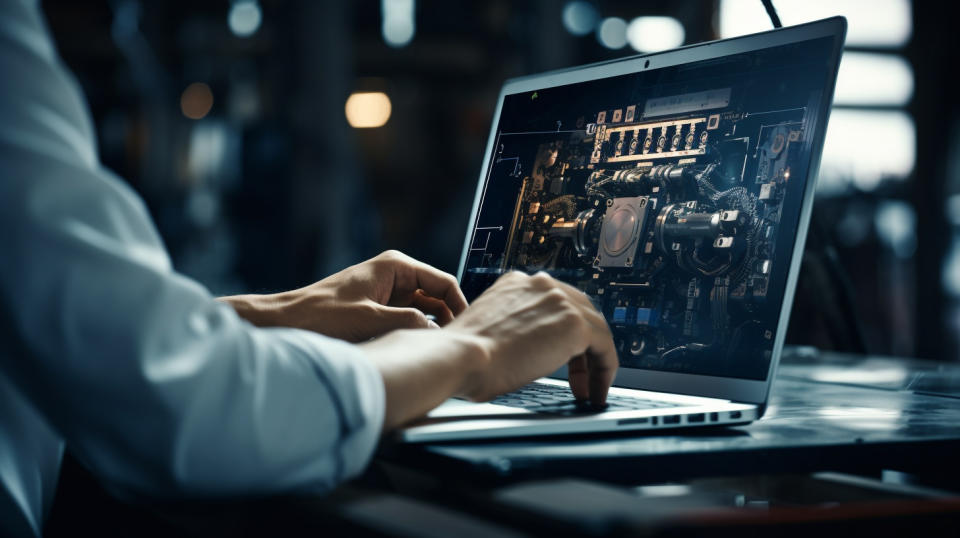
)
(553, 399)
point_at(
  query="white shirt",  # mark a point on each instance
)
(155, 386)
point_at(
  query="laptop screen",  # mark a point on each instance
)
(670, 196)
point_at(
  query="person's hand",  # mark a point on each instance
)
(522, 328)
(532, 325)
(391, 291)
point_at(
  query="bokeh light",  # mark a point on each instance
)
(196, 101)
(399, 25)
(244, 18)
(653, 34)
(579, 18)
(612, 33)
(367, 109)
(874, 23)
(873, 79)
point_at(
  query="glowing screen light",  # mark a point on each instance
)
(367, 109)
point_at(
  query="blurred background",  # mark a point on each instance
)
(277, 141)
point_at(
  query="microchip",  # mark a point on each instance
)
(766, 191)
(648, 317)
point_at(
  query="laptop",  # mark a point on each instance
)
(673, 189)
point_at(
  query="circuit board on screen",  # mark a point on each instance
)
(667, 211)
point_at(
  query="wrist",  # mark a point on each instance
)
(461, 356)
(474, 353)
(260, 310)
(423, 367)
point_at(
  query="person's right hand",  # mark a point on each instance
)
(533, 325)
(522, 328)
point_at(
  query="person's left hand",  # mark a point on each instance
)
(388, 292)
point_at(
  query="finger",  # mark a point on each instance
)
(579, 377)
(443, 286)
(410, 274)
(602, 375)
(392, 318)
(602, 363)
(433, 306)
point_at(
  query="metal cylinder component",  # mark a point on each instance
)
(677, 223)
(577, 231)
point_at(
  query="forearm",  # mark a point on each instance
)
(260, 310)
(422, 368)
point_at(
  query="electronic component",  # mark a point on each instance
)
(647, 317)
(668, 222)
(623, 225)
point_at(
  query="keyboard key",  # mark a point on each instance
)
(559, 400)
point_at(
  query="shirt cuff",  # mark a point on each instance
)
(357, 386)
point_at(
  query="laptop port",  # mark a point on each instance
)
(671, 419)
(714, 416)
(628, 421)
(696, 417)
(735, 414)
(656, 421)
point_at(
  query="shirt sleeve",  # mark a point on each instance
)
(156, 386)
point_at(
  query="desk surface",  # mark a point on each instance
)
(834, 413)
(840, 413)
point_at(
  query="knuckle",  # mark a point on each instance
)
(391, 255)
(542, 278)
(556, 295)
(367, 310)
(417, 318)
(570, 314)
(511, 276)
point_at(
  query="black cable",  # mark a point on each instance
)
(843, 296)
(772, 13)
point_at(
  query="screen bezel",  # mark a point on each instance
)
(730, 388)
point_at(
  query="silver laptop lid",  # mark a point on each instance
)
(675, 190)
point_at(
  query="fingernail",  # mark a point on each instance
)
(432, 324)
